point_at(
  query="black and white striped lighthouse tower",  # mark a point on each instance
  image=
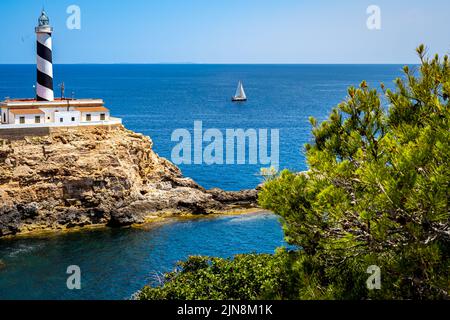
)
(44, 85)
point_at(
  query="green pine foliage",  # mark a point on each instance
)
(376, 193)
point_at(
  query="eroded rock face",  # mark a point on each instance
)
(96, 175)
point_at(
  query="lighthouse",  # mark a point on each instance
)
(44, 83)
(43, 113)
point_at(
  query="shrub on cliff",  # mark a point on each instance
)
(376, 193)
(248, 276)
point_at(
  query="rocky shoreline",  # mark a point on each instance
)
(78, 177)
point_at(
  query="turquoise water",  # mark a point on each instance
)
(156, 100)
(115, 263)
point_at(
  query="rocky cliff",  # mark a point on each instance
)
(73, 177)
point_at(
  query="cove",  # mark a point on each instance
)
(115, 263)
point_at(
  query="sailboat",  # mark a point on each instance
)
(240, 93)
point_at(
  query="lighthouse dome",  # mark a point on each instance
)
(43, 19)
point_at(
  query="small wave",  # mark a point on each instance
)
(23, 249)
(246, 218)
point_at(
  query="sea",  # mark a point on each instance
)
(158, 101)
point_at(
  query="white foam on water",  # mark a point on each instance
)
(246, 218)
(23, 249)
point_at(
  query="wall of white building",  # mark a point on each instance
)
(53, 115)
(29, 118)
(50, 113)
(95, 116)
(67, 117)
(3, 115)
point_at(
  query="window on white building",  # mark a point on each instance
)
(102, 116)
(88, 117)
(22, 120)
(61, 119)
(37, 119)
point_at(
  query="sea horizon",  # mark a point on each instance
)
(223, 64)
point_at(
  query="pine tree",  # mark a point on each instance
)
(376, 193)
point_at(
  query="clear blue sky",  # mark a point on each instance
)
(227, 31)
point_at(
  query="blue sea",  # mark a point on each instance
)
(156, 100)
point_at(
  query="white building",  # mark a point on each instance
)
(16, 113)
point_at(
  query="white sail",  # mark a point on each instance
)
(240, 93)
(238, 90)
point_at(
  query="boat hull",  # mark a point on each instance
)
(238, 99)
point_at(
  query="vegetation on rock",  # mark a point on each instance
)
(253, 276)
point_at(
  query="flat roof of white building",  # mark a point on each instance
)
(30, 103)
